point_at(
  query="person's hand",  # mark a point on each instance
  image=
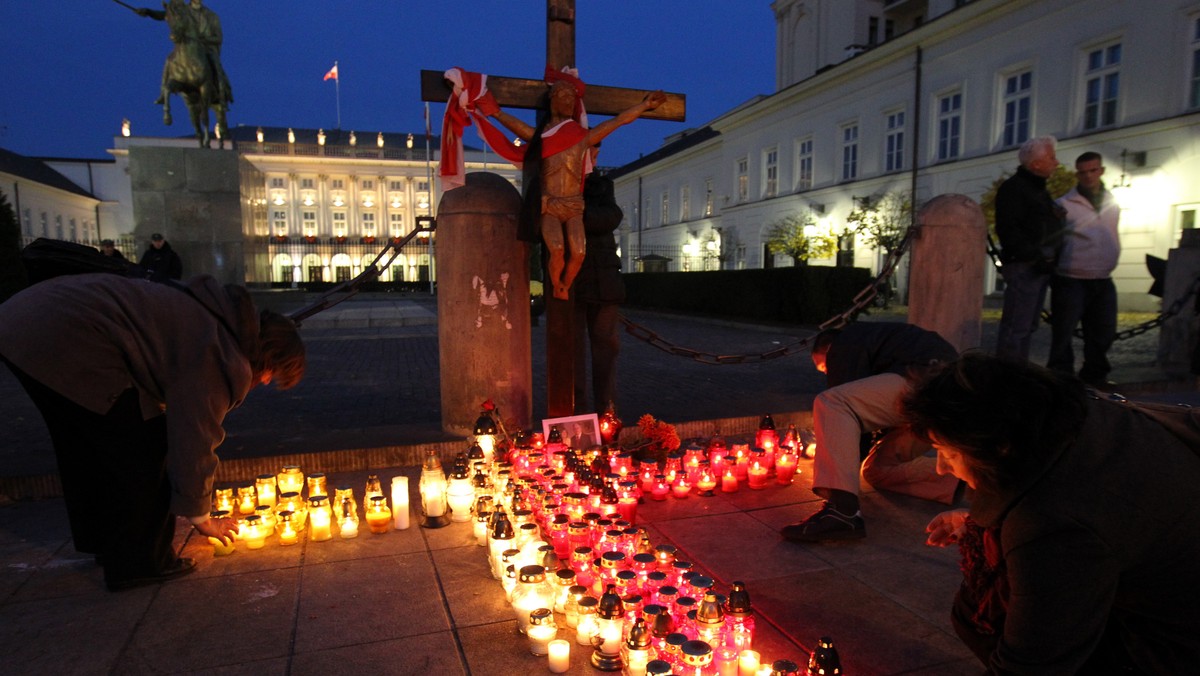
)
(946, 528)
(224, 529)
(654, 99)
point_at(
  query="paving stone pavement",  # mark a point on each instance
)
(420, 601)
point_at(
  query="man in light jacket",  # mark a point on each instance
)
(1082, 288)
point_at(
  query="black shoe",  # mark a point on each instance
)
(827, 524)
(179, 568)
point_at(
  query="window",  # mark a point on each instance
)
(893, 142)
(708, 197)
(850, 152)
(396, 224)
(1194, 92)
(949, 126)
(308, 220)
(58, 227)
(368, 224)
(339, 224)
(279, 222)
(27, 221)
(306, 183)
(743, 179)
(368, 185)
(395, 185)
(1102, 87)
(685, 203)
(665, 208)
(770, 172)
(277, 182)
(45, 225)
(74, 231)
(423, 186)
(1017, 104)
(804, 164)
(646, 211)
(339, 184)
(873, 31)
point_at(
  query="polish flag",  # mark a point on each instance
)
(332, 74)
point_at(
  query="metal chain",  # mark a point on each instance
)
(1144, 327)
(861, 302)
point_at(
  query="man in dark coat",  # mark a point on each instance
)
(868, 366)
(160, 260)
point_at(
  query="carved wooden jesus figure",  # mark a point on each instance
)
(565, 147)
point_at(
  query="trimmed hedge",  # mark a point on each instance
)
(801, 294)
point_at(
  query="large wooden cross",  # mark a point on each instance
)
(524, 93)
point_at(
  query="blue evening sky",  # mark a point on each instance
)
(77, 67)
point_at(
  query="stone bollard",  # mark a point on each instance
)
(483, 304)
(945, 286)
(1179, 337)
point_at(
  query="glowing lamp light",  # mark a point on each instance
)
(379, 139)
(253, 532)
(757, 475)
(542, 630)
(460, 495)
(264, 487)
(785, 467)
(223, 500)
(379, 517)
(258, 134)
(285, 528)
(606, 644)
(320, 519)
(125, 128)
(485, 434)
(290, 479)
(610, 425)
(706, 482)
(408, 143)
(247, 500)
(636, 653)
(353, 139)
(533, 591)
(291, 135)
(432, 487)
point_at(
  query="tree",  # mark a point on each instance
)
(797, 236)
(882, 221)
(12, 271)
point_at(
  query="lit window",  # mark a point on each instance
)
(1102, 87)
(770, 172)
(949, 126)
(804, 164)
(743, 179)
(685, 203)
(708, 197)
(666, 207)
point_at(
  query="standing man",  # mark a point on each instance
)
(868, 366)
(1029, 225)
(599, 292)
(1082, 288)
(109, 248)
(160, 260)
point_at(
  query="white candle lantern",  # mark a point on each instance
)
(253, 532)
(533, 591)
(637, 653)
(485, 436)
(542, 630)
(400, 502)
(606, 644)
(460, 495)
(433, 493)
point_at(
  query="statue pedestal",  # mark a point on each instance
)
(1179, 335)
(945, 292)
(193, 197)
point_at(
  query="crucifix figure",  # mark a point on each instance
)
(562, 174)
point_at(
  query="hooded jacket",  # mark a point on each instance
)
(91, 337)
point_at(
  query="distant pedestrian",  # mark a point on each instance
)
(160, 260)
(1082, 288)
(1029, 225)
(134, 379)
(109, 248)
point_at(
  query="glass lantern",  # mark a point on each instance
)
(290, 479)
(379, 516)
(710, 621)
(288, 535)
(542, 630)
(433, 487)
(291, 501)
(460, 495)
(320, 519)
(607, 643)
(637, 652)
(247, 500)
(373, 488)
(499, 539)
(485, 436)
(318, 484)
(253, 533)
(587, 625)
(221, 547)
(264, 487)
(824, 660)
(533, 591)
(739, 618)
(696, 659)
(223, 500)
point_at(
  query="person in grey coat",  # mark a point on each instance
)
(134, 379)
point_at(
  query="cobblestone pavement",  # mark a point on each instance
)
(369, 387)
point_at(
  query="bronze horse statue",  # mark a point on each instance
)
(193, 68)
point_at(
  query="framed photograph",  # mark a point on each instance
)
(578, 431)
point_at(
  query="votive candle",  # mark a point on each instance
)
(748, 663)
(560, 656)
(400, 502)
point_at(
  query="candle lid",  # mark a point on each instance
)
(541, 616)
(696, 653)
(658, 668)
(589, 604)
(218, 514)
(566, 577)
(533, 574)
(785, 668)
(265, 477)
(318, 500)
(738, 604)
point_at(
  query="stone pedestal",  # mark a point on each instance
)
(483, 304)
(945, 292)
(1178, 337)
(192, 196)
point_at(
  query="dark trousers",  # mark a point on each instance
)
(1024, 297)
(114, 480)
(596, 340)
(1092, 302)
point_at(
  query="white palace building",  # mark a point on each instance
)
(933, 97)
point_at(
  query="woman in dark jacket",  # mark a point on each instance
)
(1093, 506)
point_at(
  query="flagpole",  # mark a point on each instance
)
(337, 92)
(429, 179)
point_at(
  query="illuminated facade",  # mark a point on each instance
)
(933, 96)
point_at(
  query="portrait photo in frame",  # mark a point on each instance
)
(578, 431)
